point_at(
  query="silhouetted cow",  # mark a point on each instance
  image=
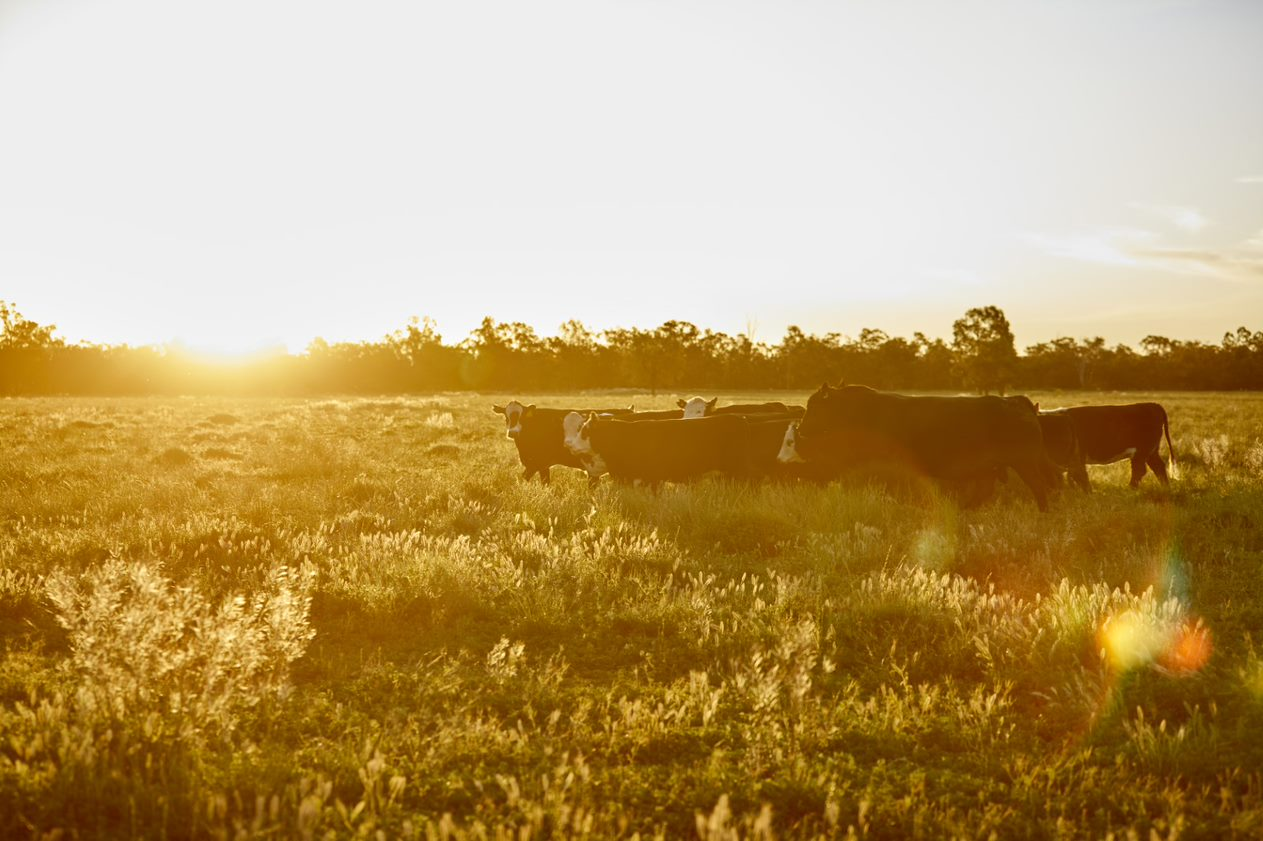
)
(1106, 434)
(960, 440)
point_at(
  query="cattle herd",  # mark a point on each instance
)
(966, 444)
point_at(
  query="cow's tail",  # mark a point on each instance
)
(1173, 469)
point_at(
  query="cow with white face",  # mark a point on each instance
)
(697, 407)
(513, 412)
(789, 451)
(580, 445)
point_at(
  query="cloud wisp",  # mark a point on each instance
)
(1132, 248)
(1185, 218)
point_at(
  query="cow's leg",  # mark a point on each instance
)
(1079, 473)
(1158, 466)
(543, 475)
(1033, 475)
(530, 471)
(1053, 479)
(980, 490)
(1137, 470)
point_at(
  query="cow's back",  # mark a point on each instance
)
(955, 436)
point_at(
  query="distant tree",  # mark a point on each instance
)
(1243, 358)
(430, 364)
(935, 363)
(577, 357)
(20, 333)
(26, 351)
(642, 354)
(985, 354)
(1063, 362)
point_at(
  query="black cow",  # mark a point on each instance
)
(1107, 434)
(959, 440)
(539, 436)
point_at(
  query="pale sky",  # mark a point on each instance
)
(235, 174)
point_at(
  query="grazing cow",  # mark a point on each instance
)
(539, 437)
(959, 440)
(697, 407)
(1107, 434)
(1055, 439)
(673, 450)
(1061, 445)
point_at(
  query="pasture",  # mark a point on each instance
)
(236, 618)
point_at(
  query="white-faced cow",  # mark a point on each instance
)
(1106, 434)
(697, 407)
(959, 440)
(676, 450)
(539, 436)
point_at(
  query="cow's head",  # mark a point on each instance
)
(830, 409)
(697, 407)
(577, 435)
(514, 413)
(789, 447)
(820, 406)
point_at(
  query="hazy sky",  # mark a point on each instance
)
(240, 173)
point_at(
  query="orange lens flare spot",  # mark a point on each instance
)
(1189, 652)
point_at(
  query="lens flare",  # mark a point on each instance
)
(1189, 651)
(1131, 640)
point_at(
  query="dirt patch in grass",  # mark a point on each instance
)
(443, 451)
(83, 424)
(174, 457)
(220, 453)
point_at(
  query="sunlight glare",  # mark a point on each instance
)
(1131, 640)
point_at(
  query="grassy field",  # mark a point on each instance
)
(351, 618)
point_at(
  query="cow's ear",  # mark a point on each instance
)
(530, 409)
(631, 407)
(710, 404)
(681, 403)
(1036, 407)
(499, 410)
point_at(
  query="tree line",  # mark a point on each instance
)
(676, 356)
